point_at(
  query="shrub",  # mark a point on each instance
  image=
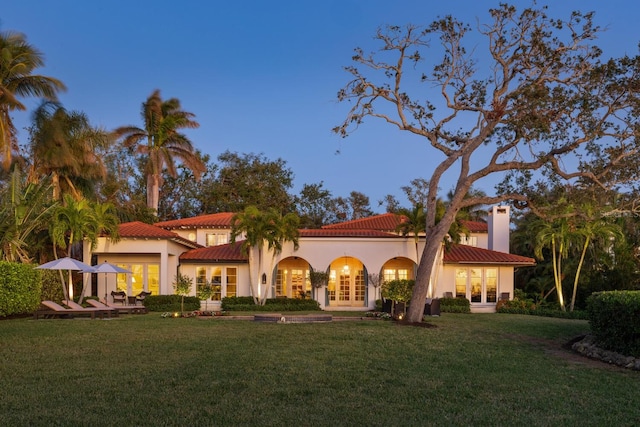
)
(271, 304)
(229, 302)
(171, 303)
(398, 290)
(455, 305)
(614, 317)
(51, 286)
(20, 288)
(522, 305)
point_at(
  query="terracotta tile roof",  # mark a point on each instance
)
(476, 226)
(140, 230)
(383, 222)
(323, 232)
(216, 220)
(390, 222)
(230, 252)
(462, 254)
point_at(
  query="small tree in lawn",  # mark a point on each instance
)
(182, 284)
(375, 280)
(318, 279)
(398, 291)
(204, 293)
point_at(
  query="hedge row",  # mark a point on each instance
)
(20, 288)
(171, 303)
(614, 317)
(455, 305)
(271, 304)
(544, 312)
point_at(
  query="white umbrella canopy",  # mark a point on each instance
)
(106, 268)
(68, 264)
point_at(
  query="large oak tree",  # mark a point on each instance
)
(531, 96)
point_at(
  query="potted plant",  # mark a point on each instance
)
(398, 291)
(318, 279)
(205, 291)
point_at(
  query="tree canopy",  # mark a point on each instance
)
(539, 100)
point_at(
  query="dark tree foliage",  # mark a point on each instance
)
(356, 206)
(533, 98)
(314, 206)
(243, 180)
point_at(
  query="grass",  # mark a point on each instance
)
(146, 370)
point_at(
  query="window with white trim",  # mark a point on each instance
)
(478, 285)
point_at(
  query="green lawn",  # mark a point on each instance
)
(486, 369)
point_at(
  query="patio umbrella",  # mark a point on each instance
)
(106, 268)
(68, 264)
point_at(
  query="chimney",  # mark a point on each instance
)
(499, 229)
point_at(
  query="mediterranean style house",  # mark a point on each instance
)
(480, 269)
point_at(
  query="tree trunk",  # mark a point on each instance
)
(423, 277)
(153, 191)
(557, 273)
(252, 282)
(575, 281)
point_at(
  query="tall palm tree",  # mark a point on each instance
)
(18, 60)
(160, 142)
(593, 230)
(558, 236)
(259, 229)
(103, 222)
(63, 145)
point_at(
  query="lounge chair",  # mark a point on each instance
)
(100, 306)
(124, 309)
(127, 309)
(75, 306)
(50, 309)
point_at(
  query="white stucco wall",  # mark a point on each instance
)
(127, 251)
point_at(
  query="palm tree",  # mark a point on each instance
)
(263, 228)
(160, 142)
(557, 235)
(63, 145)
(24, 212)
(18, 60)
(593, 230)
(77, 220)
(414, 223)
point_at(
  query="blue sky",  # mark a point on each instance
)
(261, 76)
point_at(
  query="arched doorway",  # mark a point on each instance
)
(291, 278)
(398, 268)
(347, 285)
